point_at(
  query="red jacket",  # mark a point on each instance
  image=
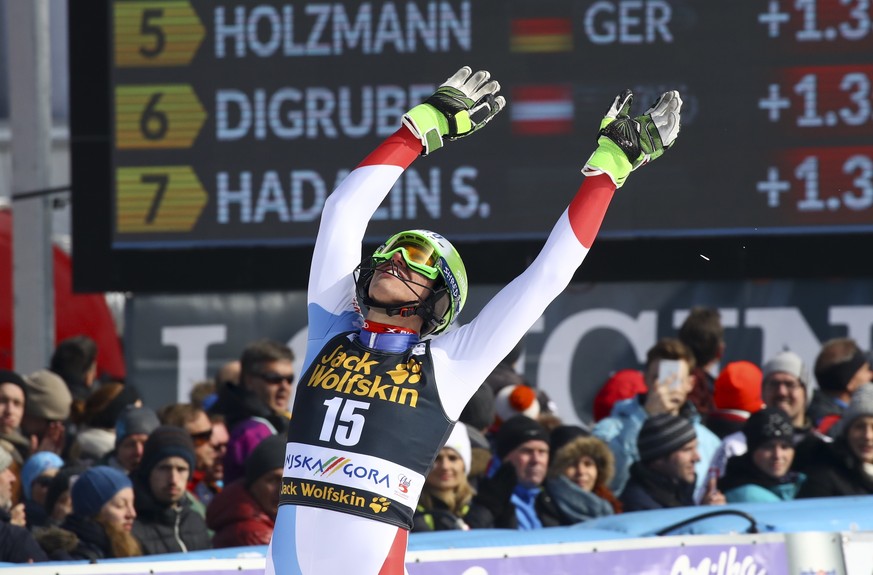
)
(237, 519)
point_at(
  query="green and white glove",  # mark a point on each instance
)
(462, 105)
(624, 143)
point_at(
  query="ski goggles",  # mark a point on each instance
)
(419, 256)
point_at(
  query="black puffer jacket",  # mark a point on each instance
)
(837, 472)
(17, 545)
(647, 489)
(167, 529)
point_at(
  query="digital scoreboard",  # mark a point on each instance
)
(207, 134)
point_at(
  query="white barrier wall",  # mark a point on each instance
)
(808, 553)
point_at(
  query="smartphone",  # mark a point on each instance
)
(668, 368)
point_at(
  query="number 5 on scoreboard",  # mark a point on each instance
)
(155, 34)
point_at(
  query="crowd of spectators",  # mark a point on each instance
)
(88, 472)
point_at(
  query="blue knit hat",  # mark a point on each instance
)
(38, 463)
(94, 488)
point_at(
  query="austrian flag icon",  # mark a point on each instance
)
(542, 110)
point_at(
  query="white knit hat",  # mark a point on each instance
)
(460, 442)
(790, 363)
(515, 400)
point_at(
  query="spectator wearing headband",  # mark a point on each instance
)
(840, 369)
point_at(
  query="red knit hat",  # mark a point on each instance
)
(738, 386)
(623, 384)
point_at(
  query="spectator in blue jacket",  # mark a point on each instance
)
(669, 396)
(763, 473)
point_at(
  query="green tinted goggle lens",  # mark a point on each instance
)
(420, 258)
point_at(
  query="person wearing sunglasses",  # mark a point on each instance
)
(194, 420)
(257, 407)
(376, 402)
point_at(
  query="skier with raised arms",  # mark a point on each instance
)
(376, 401)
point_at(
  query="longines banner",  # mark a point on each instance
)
(589, 332)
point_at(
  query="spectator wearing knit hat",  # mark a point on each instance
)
(579, 473)
(445, 498)
(244, 513)
(840, 369)
(519, 399)
(47, 411)
(665, 474)
(623, 384)
(845, 466)
(131, 432)
(736, 395)
(196, 422)
(36, 475)
(101, 522)
(17, 545)
(513, 496)
(763, 473)
(667, 394)
(13, 396)
(166, 522)
(786, 385)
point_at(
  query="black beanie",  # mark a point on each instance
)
(564, 434)
(268, 455)
(769, 423)
(517, 430)
(663, 434)
(165, 441)
(7, 376)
